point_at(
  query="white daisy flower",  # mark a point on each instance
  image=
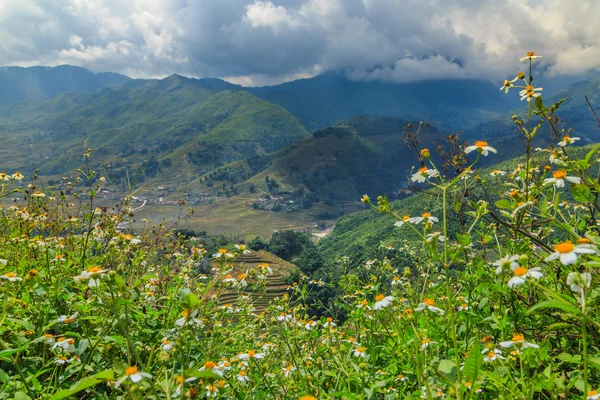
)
(251, 354)
(521, 274)
(518, 340)
(530, 56)
(360, 352)
(382, 301)
(423, 174)
(505, 263)
(492, 355)
(567, 252)
(559, 177)
(568, 140)
(482, 147)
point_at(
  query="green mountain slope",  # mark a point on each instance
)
(193, 123)
(40, 83)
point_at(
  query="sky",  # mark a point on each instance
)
(254, 42)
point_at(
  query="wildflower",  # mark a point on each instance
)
(482, 147)
(167, 345)
(521, 275)
(434, 236)
(558, 178)
(189, 317)
(93, 274)
(428, 304)
(405, 220)
(506, 85)
(38, 194)
(530, 92)
(223, 253)
(530, 56)
(242, 248)
(251, 354)
(427, 217)
(382, 301)
(365, 199)
(287, 371)
(211, 390)
(11, 277)
(360, 352)
(497, 172)
(506, 262)
(284, 317)
(463, 307)
(567, 140)
(423, 174)
(17, 176)
(65, 344)
(593, 395)
(492, 355)
(519, 340)
(62, 360)
(310, 324)
(308, 397)
(579, 281)
(425, 154)
(400, 378)
(243, 377)
(425, 343)
(67, 320)
(567, 252)
(329, 322)
(213, 367)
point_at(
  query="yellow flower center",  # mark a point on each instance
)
(131, 370)
(251, 353)
(565, 247)
(507, 83)
(530, 53)
(481, 143)
(10, 274)
(60, 339)
(425, 152)
(520, 271)
(93, 270)
(560, 174)
(180, 379)
(566, 138)
(209, 365)
(329, 319)
(491, 354)
(289, 367)
(48, 335)
(517, 337)
(361, 349)
(166, 341)
(242, 373)
(584, 241)
(185, 313)
(425, 341)
(426, 215)
(592, 393)
(379, 297)
(222, 251)
(429, 302)
(308, 397)
(406, 218)
(422, 169)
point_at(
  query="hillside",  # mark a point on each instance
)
(181, 123)
(360, 234)
(42, 83)
(326, 99)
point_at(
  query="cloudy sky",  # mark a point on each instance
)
(262, 42)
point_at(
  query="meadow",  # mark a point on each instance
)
(503, 305)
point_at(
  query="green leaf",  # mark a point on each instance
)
(580, 192)
(570, 358)
(21, 396)
(502, 203)
(448, 368)
(539, 104)
(473, 363)
(207, 374)
(561, 305)
(8, 352)
(85, 383)
(594, 362)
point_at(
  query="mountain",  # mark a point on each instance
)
(326, 99)
(365, 154)
(187, 124)
(42, 83)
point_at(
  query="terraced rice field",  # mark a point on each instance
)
(276, 286)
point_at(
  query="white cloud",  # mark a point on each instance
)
(268, 41)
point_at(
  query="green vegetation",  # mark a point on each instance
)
(491, 293)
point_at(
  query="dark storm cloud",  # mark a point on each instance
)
(257, 42)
